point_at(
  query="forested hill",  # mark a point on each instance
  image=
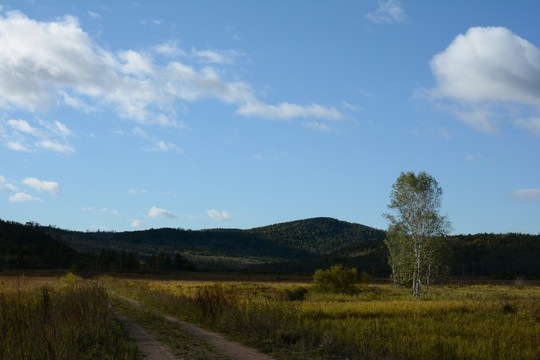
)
(291, 240)
(29, 246)
(318, 235)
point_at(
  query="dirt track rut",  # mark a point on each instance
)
(229, 348)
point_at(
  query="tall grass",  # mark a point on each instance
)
(380, 322)
(71, 320)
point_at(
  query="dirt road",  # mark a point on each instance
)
(155, 350)
(149, 348)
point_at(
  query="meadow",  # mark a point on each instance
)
(59, 318)
(295, 321)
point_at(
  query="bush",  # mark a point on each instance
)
(336, 279)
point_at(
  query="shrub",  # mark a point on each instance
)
(336, 279)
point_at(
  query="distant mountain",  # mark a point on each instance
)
(29, 246)
(300, 246)
(280, 242)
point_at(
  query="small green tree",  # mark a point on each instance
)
(415, 233)
(336, 279)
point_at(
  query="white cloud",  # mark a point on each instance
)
(215, 57)
(137, 191)
(135, 63)
(94, 15)
(49, 186)
(23, 126)
(155, 212)
(389, 11)
(5, 185)
(526, 195)
(137, 224)
(169, 48)
(55, 146)
(62, 129)
(288, 111)
(22, 197)
(473, 157)
(531, 124)
(219, 215)
(17, 146)
(317, 126)
(28, 138)
(162, 146)
(47, 61)
(486, 70)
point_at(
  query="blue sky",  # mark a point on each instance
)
(204, 114)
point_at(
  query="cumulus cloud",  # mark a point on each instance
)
(219, 215)
(155, 212)
(526, 195)
(389, 11)
(47, 61)
(486, 70)
(22, 197)
(40, 185)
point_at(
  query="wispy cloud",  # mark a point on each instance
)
(137, 191)
(94, 15)
(526, 195)
(532, 124)
(484, 73)
(155, 212)
(4, 185)
(317, 126)
(58, 60)
(162, 146)
(219, 215)
(22, 197)
(389, 11)
(473, 157)
(25, 137)
(51, 187)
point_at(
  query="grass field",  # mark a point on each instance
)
(58, 318)
(293, 321)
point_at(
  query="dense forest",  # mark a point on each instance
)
(294, 247)
(29, 246)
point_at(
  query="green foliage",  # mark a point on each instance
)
(336, 279)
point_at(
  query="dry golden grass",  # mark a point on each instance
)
(379, 322)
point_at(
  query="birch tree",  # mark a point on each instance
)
(416, 229)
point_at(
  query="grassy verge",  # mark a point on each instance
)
(379, 322)
(69, 319)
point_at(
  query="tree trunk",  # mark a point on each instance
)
(428, 275)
